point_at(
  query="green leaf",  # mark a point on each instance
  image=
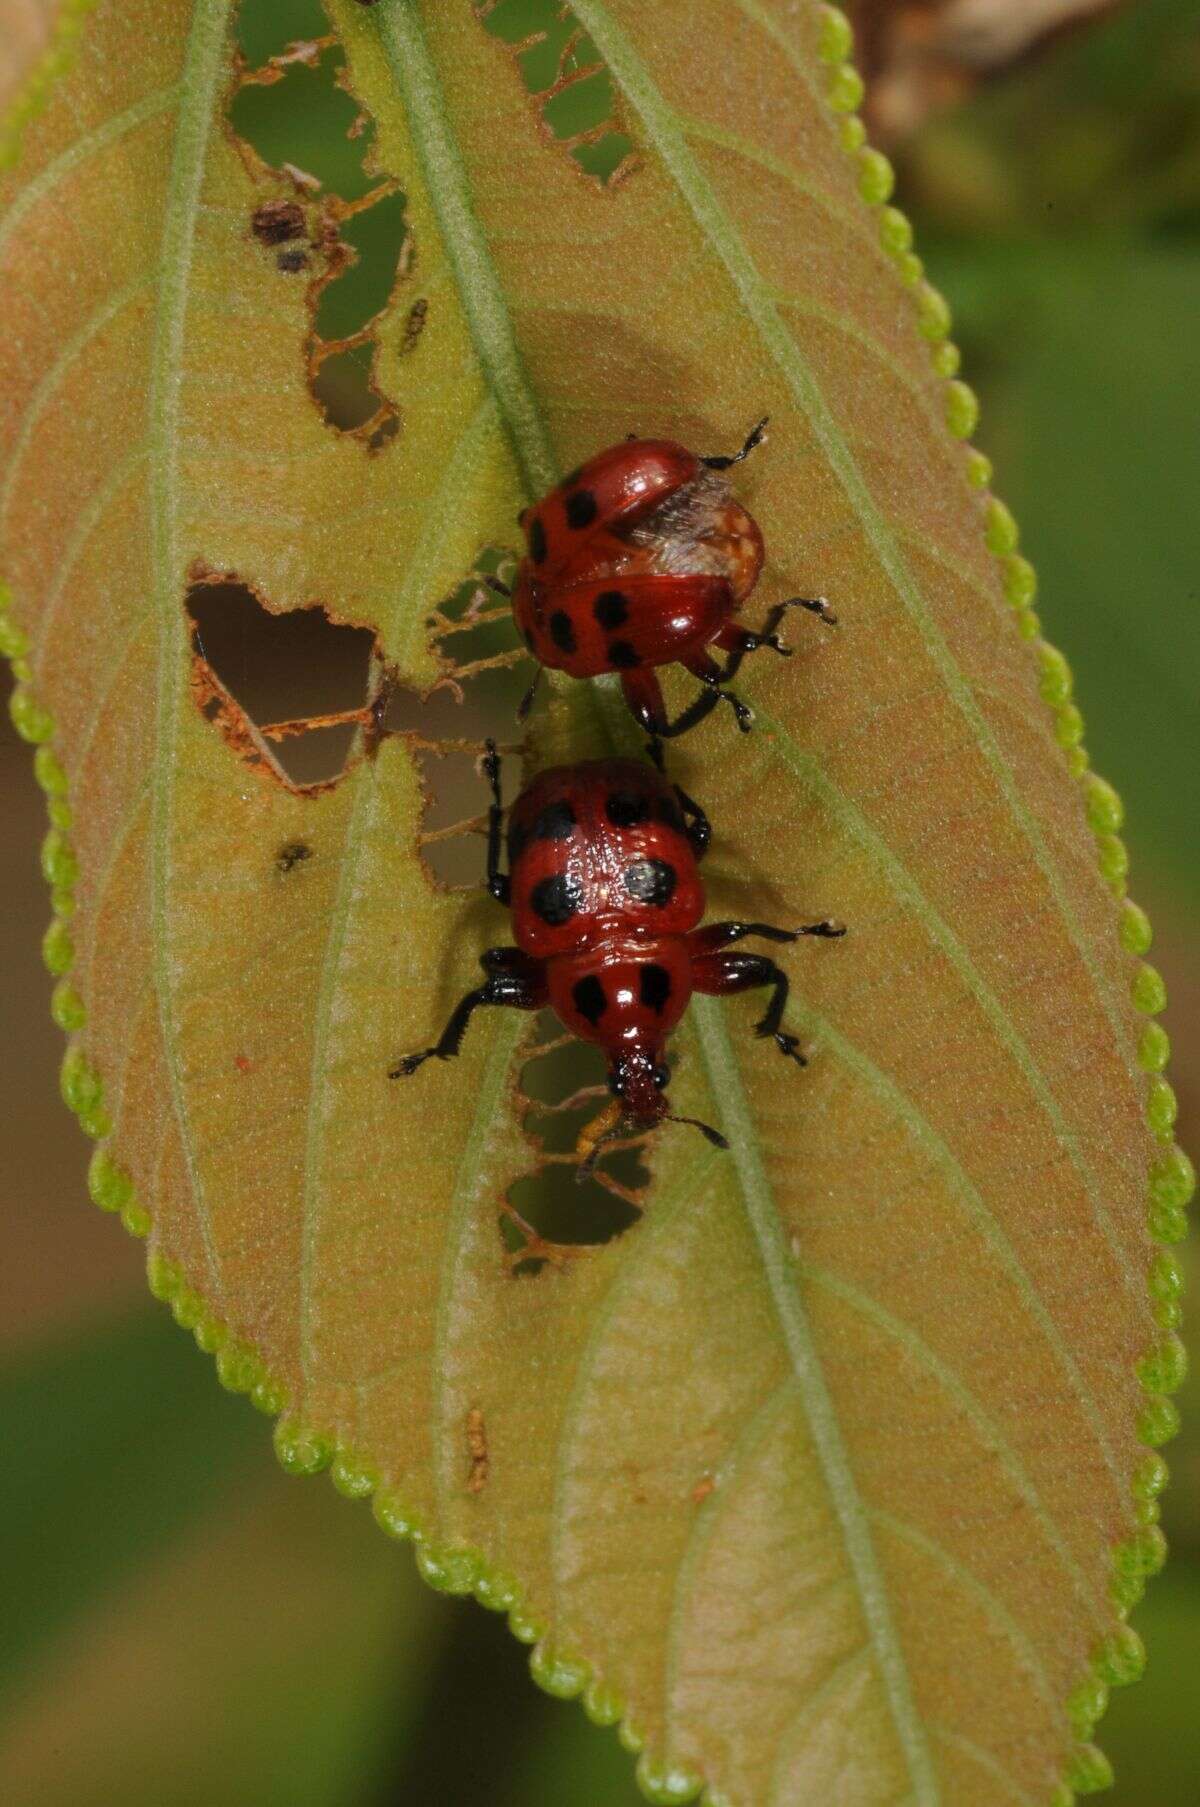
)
(820, 1475)
(1116, 553)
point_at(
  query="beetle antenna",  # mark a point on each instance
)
(754, 437)
(706, 1129)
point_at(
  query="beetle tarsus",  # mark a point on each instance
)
(725, 461)
(816, 605)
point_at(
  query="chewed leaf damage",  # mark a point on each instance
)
(547, 1217)
(329, 216)
(568, 80)
(302, 698)
(289, 692)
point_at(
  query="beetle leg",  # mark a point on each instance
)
(754, 437)
(526, 702)
(505, 960)
(498, 883)
(816, 605)
(719, 975)
(738, 641)
(719, 934)
(710, 673)
(645, 700)
(697, 826)
(516, 982)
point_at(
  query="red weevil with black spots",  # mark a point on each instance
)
(606, 897)
(641, 558)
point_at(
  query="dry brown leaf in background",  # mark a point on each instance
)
(918, 56)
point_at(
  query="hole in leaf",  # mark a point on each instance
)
(563, 1086)
(485, 672)
(253, 670)
(270, 683)
(568, 80)
(265, 29)
(304, 134)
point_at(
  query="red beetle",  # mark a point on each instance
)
(639, 558)
(606, 898)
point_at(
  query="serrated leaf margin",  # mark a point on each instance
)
(301, 1449)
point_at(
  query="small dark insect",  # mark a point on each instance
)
(291, 261)
(414, 326)
(639, 558)
(606, 899)
(293, 854)
(277, 221)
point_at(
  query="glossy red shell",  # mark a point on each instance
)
(598, 854)
(569, 530)
(637, 559)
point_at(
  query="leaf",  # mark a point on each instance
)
(827, 1474)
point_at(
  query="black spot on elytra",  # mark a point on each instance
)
(611, 609)
(654, 984)
(580, 509)
(537, 540)
(589, 999)
(562, 631)
(621, 655)
(554, 823)
(651, 881)
(292, 855)
(625, 809)
(556, 899)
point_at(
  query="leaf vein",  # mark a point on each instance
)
(667, 139)
(201, 96)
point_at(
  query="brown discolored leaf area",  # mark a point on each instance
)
(817, 1466)
(919, 56)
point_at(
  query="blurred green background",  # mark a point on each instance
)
(182, 1623)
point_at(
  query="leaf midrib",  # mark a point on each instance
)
(448, 188)
(667, 139)
(733, 1108)
(409, 604)
(199, 90)
(466, 245)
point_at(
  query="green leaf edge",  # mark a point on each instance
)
(1119, 1659)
